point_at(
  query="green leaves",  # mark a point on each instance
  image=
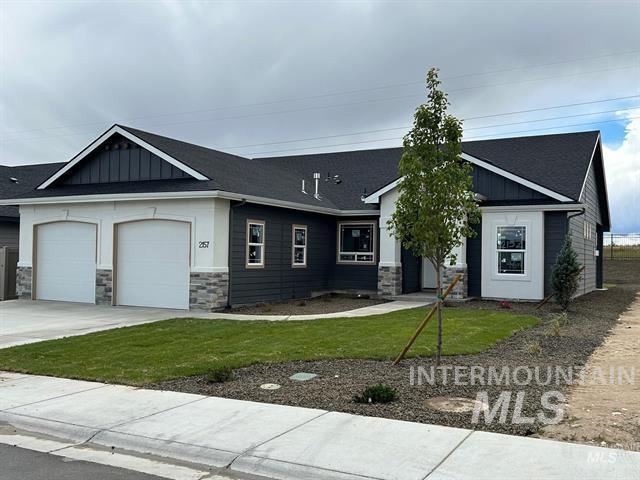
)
(436, 203)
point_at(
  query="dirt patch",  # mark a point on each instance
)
(311, 306)
(591, 317)
(608, 413)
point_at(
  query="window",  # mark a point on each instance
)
(299, 246)
(255, 243)
(511, 248)
(356, 242)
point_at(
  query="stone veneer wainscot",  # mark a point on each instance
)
(208, 290)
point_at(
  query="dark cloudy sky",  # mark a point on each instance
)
(257, 78)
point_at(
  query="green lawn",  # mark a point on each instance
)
(181, 347)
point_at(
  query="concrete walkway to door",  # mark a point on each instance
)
(26, 321)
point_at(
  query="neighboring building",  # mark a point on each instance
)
(15, 181)
(141, 219)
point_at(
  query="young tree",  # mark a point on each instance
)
(565, 275)
(436, 203)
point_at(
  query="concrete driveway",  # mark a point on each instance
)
(23, 321)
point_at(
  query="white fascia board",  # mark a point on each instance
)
(117, 129)
(375, 196)
(586, 176)
(568, 207)
(122, 197)
(516, 178)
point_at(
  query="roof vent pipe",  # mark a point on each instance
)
(316, 177)
(303, 190)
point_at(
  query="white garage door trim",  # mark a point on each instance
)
(152, 259)
(64, 268)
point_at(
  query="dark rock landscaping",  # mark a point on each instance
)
(590, 319)
(329, 303)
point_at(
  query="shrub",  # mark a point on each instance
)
(534, 348)
(302, 303)
(267, 307)
(557, 322)
(219, 374)
(380, 393)
(565, 274)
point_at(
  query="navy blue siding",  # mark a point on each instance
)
(278, 280)
(555, 230)
(410, 272)
(120, 160)
(498, 189)
(474, 262)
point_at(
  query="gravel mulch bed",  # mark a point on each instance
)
(310, 306)
(590, 319)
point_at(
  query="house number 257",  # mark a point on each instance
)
(204, 244)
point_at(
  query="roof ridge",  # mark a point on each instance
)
(137, 131)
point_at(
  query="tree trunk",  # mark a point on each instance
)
(439, 312)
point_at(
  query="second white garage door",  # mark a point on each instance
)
(153, 264)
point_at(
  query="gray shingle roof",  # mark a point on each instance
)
(558, 162)
(28, 176)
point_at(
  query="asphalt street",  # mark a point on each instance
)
(19, 464)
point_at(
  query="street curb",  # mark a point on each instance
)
(165, 448)
(52, 428)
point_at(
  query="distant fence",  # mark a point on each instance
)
(621, 246)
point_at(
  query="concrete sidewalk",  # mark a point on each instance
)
(288, 442)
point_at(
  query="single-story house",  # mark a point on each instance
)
(140, 219)
(15, 181)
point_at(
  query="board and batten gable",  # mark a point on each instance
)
(119, 159)
(499, 189)
(278, 279)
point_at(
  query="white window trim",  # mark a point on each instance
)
(526, 276)
(249, 244)
(294, 246)
(374, 240)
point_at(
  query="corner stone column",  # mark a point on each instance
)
(24, 277)
(208, 290)
(389, 281)
(461, 290)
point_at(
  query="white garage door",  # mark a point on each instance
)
(66, 262)
(153, 264)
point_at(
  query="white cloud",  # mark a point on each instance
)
(622, 169)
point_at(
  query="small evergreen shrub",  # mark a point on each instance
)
(565, 275)
(267, 307)
(219, 375)
(380, 393)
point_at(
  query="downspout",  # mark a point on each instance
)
(229, 255)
